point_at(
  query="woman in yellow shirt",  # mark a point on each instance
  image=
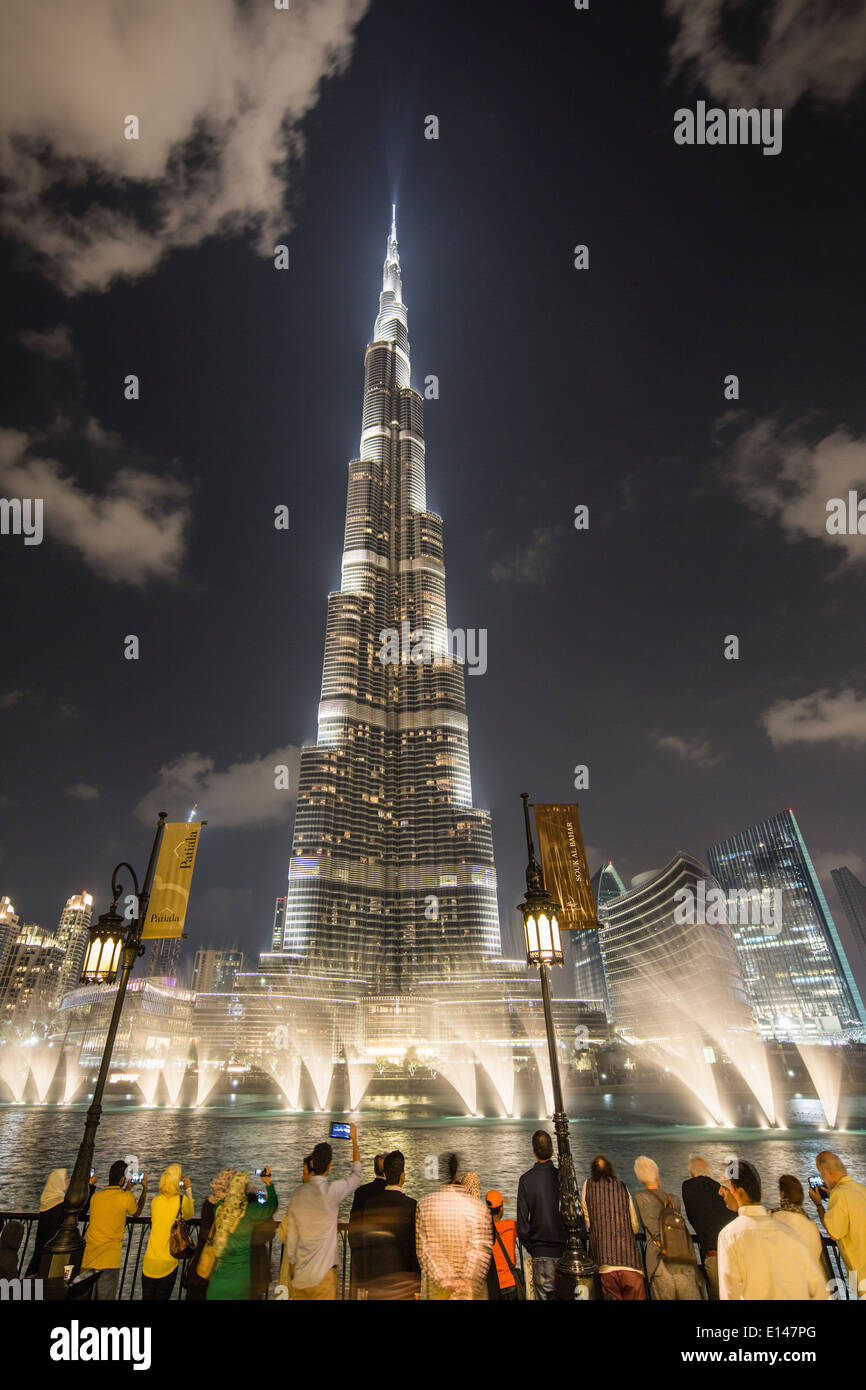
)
(159, 1268)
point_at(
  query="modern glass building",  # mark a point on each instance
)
(391, 874)
(585, 946)
(798, 977)
(852, 924)
(669, 977)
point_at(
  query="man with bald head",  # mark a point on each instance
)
(845, 1217)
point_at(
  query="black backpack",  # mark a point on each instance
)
(676, 1246)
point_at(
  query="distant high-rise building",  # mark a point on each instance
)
(669, 977)
(30, 977)
(589, 977)
(852, 896)
(163, 956)
(8, 927)
(796, 972)
(279, 923)
(72, 935)
(214, 970)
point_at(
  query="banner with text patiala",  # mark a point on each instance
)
(166, 911)
(563, 863)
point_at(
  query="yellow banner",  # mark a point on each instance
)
(563, 863)
(169, 896)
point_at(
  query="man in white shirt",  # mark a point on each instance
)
(311, 1225)
(760, 1258)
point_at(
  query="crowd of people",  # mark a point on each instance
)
(455, 1244)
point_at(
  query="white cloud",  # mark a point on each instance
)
(219, 87)
(133, 533)
(823, 717)
(696, 751)
(94, 433)
(53, 343)
(244, 794)
(804, 48)
(534, 564)
(83, 791)
(780, 474)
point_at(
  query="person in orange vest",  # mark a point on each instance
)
(506, 1230)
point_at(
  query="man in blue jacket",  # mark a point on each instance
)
(539, 1224)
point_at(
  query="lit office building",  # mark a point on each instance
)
(214, 970)
(72, 936)
(279, 923)
(30, 976)
(163, 957)
(797, 974)
(8, 928)
(585, 946)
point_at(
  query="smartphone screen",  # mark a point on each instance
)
(340, 1131)
(259, 1172)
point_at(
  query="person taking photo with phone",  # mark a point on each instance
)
(107, 1227)
(237, 1219)
(310, 1254)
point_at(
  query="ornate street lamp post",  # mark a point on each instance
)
(574, 1268)
(114, 943)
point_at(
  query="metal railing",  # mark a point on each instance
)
(138, 1232)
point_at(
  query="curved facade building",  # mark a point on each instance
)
(666, 975)
(391, 874)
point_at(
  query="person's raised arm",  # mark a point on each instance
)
(143, 1197)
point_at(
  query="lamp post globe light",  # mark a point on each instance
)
(576, 1273)
(114, 944)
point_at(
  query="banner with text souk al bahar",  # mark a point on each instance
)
(563, 863)
(169, 896)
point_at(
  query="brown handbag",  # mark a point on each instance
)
(180, 1242)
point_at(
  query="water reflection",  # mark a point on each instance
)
(35, 1140)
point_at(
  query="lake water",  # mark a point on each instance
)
(35, 1139)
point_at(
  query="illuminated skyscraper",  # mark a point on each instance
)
(72, 933)
(798, 978)
(391, 876)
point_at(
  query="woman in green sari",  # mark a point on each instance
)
(235, 1220)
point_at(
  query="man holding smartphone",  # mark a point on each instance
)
(108, 1212)
(311, 1225)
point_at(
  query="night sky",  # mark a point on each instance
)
(558, 387)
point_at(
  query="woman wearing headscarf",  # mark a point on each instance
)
(51, 1214)
(235, 1222)
(159, 1267)
(196, 1287)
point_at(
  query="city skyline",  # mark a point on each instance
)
(557, 387)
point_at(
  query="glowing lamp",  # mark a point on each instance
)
(104, 948)
(541, 932)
